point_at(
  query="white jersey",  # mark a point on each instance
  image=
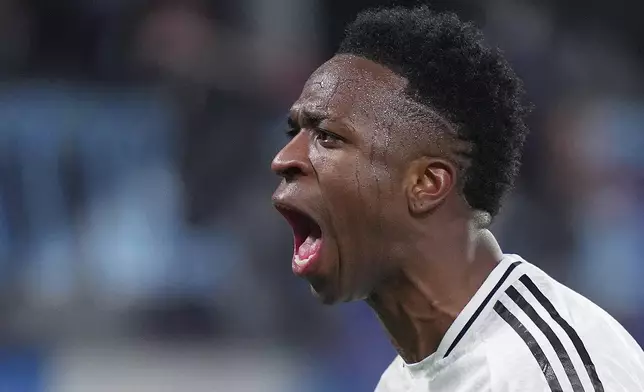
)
(525, 332)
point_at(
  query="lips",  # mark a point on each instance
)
(307, 238)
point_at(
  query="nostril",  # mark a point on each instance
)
(289, 172)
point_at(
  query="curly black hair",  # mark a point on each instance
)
(453, 72)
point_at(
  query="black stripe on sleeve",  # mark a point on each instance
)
(572, 334)
(532, 344)
(550, 334)
(480, 308)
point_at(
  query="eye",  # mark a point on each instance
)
(327, 139)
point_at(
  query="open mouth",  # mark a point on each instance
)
(307, 238)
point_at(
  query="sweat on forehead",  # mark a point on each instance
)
(374, 100)
(351, 83)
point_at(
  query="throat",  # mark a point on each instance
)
(438, 273)
(419, 305)
(415, 323)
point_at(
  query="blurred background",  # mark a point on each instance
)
(138, 247)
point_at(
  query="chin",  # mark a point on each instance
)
(329, 297)
(324, 296)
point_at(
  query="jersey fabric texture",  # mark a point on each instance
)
(525, 332)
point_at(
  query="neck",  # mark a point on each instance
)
(418, 306)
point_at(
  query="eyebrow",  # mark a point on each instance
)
(304, 117)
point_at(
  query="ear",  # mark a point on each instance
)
(428, 182)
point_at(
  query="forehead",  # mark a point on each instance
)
(351, 87)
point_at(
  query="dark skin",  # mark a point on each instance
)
(381, 181)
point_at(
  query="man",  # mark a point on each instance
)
(402, 146)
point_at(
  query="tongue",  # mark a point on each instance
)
(310, 247)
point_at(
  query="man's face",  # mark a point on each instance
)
(342, 187)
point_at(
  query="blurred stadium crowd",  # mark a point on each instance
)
(138, 247)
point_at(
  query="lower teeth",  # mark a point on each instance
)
(299, 261)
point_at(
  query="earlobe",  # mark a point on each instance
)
(429, 182)
(419, 206)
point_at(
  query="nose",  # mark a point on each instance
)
(293, 160)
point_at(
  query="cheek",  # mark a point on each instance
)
(359, 194)
(359, 199)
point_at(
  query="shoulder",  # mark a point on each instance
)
(546, 334)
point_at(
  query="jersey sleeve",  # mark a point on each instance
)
(517, 366)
